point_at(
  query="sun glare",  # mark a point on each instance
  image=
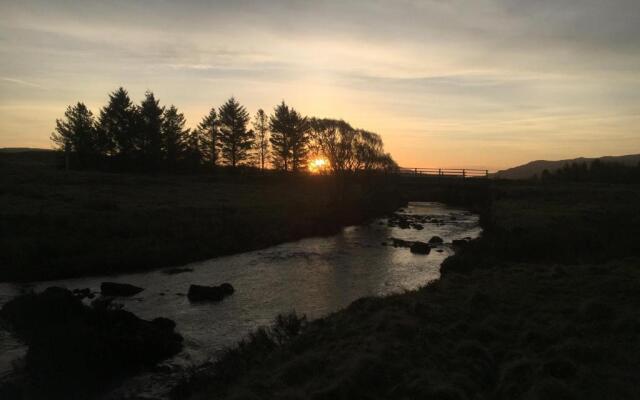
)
(318, 165)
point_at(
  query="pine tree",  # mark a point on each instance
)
(117, 126)
(236, 141)
(261, 127)
(194, 149)
(174, 136)
(150, 125)
(209, 137)
(289, 138)
(76, 134)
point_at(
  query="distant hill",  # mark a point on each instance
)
(532, 168)
(4, 150)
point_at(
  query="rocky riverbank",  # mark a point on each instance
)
(76, 349)
(543, 306)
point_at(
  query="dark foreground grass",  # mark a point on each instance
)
(56, 224)
(544, 306)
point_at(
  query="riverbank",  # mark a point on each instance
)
(543, 306)
(59, 224)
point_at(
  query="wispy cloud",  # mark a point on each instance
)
(22, 82)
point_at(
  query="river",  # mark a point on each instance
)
(314, 276)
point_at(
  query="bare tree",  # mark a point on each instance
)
(348, 149)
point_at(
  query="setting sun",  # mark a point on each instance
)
(318, 165)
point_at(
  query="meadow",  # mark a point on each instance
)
(58, 224)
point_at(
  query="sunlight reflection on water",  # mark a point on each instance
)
(314, 276)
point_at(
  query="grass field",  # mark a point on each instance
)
(55, 223)
(543, 306)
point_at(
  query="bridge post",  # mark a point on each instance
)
(415, 171)
(464, 173)
(439, 171)
(486, 173)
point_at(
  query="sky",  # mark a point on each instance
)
(447, 83)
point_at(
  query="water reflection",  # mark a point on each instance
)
(314, 276)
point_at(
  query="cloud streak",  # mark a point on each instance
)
(444, 82)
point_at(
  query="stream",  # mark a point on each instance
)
(313, 276)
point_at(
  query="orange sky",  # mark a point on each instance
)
(487, 84)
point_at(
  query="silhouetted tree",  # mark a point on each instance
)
(349, 149)
(333, 139)
(150, 125)
(236, 141)
(209, 132)
(194, 148)
(117, 126)
(174, 136)
(594, 171)
(76, 134)
(261, 127)
(289, 138)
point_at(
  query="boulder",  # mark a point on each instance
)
(227, 289)
(119, 289)
(74, 348)
(420, 248)
(436, 240)
(209, 293)
(459, 242)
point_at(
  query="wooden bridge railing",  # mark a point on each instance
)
(450, 172)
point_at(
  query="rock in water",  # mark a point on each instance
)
(119, 289)
(227, 288)
(74, 349)
(436, 240)
(209, 293)
(420, 248)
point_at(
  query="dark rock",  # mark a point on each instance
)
(459, 242)
(209, 293)
(74, 348)
(227, 289)
(119, 289)
(436, 240)
(165, 323)
(417, 226)
(420, 248)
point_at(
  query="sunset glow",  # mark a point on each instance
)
(427, 76)
(318, 165)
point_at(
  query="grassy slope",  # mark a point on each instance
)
(544, 306)
(59, 224)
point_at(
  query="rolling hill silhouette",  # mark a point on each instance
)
(532, 168)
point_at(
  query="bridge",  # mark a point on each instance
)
(445, 172)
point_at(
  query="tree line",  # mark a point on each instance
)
(594, 171)
(148, 136)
